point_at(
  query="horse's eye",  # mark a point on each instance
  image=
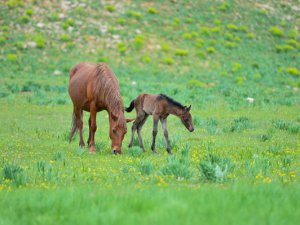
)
(114, 131)
(186, 120)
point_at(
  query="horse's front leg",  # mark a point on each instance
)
(164, 127)
(154, 132)
(93, 128)
(89, 139)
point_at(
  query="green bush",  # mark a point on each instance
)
(276, 31)
(145, 167)
(14, 173)
(214, 168)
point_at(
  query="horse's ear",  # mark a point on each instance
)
(114, 117)
(129, 120)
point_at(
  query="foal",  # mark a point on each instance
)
(160, 106)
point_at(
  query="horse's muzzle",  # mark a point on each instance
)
(191, 129)
(116, 151)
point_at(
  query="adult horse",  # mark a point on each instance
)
(93, 88)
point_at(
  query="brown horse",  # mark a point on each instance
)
(93, 88)
(160, 106)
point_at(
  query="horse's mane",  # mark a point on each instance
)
(171, 101)
(106, 87)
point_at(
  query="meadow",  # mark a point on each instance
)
(237, 64)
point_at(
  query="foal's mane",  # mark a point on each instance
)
(107, 88)
(171, 101)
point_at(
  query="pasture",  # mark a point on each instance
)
(237, 64)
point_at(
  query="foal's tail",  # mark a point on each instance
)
(131, 106)
(74, 127)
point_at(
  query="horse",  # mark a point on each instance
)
(93, 88)
(160, 106)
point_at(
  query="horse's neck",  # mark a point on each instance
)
(175, 111)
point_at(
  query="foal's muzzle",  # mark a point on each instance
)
(191, 129)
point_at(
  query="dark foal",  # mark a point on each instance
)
(160, 106)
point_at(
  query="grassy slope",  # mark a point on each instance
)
(212, 55)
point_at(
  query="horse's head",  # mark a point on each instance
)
(186, 118)
(117, 131)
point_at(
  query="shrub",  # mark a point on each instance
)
(40, 41)
(181, 52)
(14, 173)
(240, 123)
(110, 8)
(276, 31)
(179, 166)
(152, 10)
(25, 19)
(29, 12)
(214, 168)
(145, 167)
(135, 151)
(210, 49)
(139, 41)
(232, 27)
(293, 71)
(167, 60)
(65, 37)
(12, 57)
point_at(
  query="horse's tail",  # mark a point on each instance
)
(74, 127)
(131, 106)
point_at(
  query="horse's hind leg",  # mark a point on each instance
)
(139, 131)
(136, 122)
(154, 132)
(164, 127)
(78, 113)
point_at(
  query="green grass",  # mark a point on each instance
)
(236, 63)
(127, 205)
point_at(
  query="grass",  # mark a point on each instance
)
(236, 63)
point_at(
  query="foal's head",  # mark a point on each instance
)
(186, 118)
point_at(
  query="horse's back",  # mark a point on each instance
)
(80, 80)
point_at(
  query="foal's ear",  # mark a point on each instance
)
(129, 120)
(187, 109)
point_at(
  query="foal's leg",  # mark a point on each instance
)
(154, 132)
(136, 122)
(164, 127)
(79, 124)
(93, 128)
(139, 131)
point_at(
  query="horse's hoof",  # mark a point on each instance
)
(92, 150)
(130, 145)
(154, 152)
